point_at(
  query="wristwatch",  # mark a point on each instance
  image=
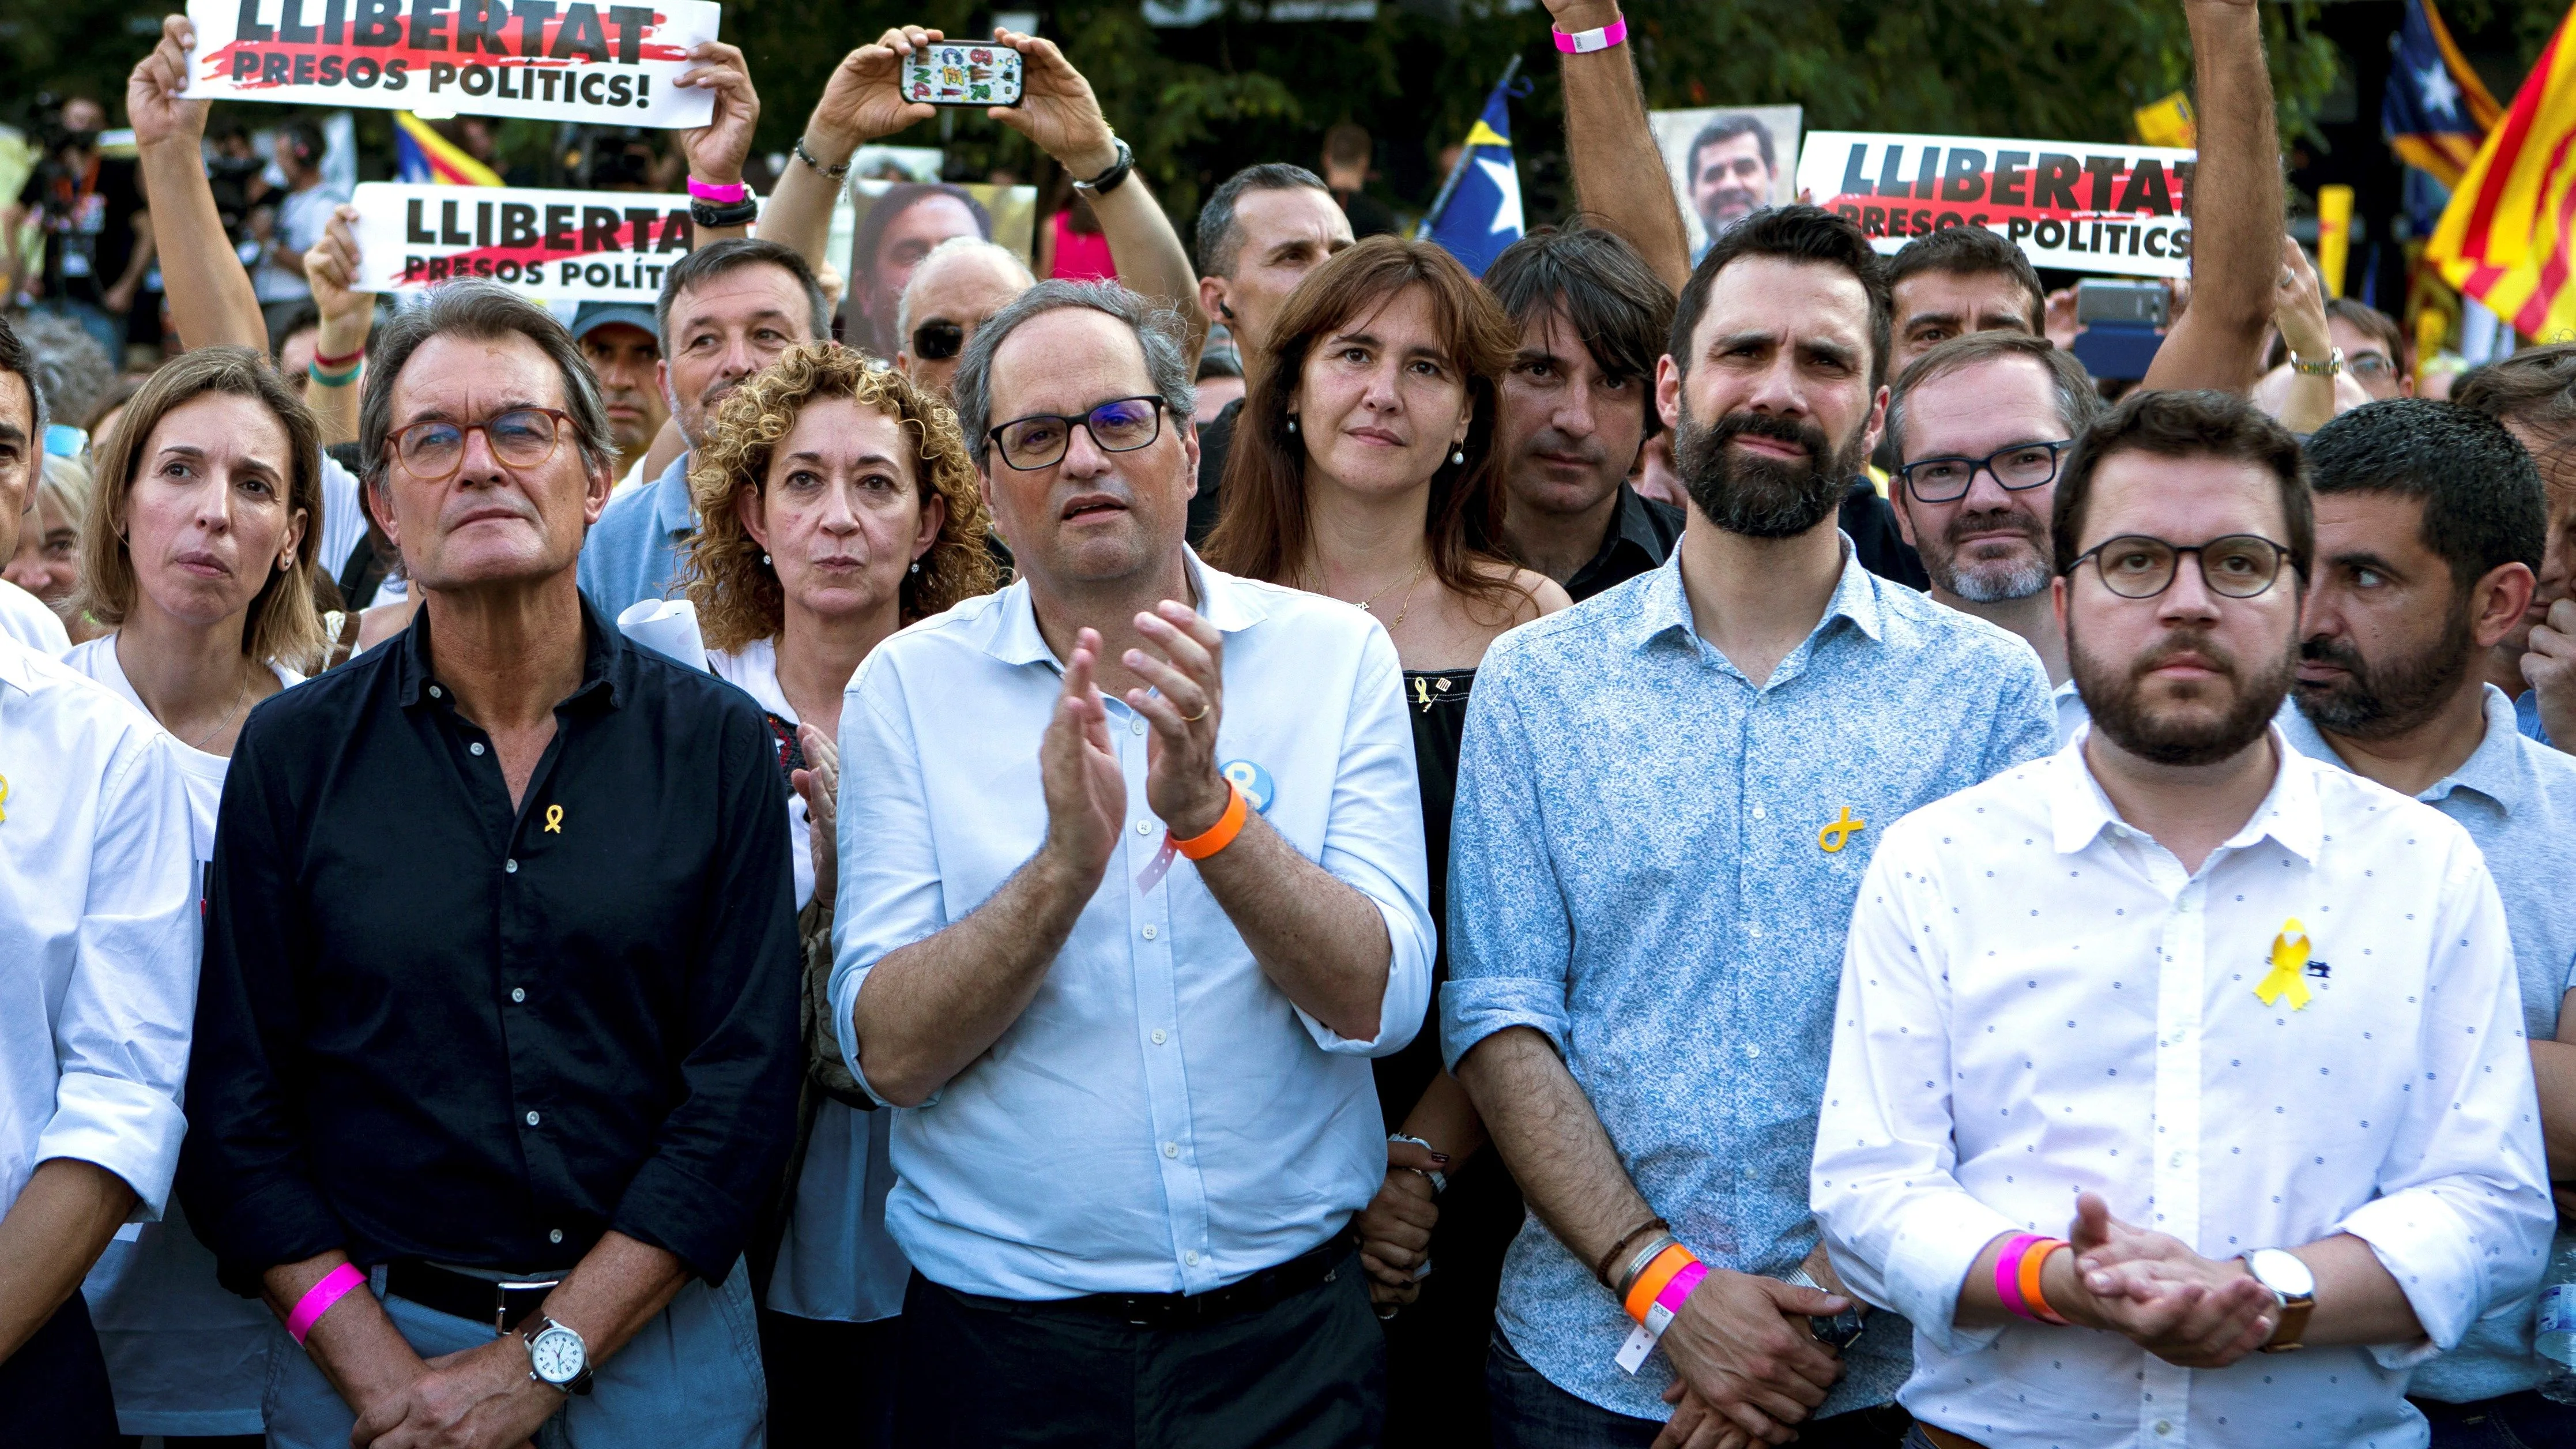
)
(2293, 1286)
(1109, 180)
(557, 1357)
(1838, 1332)
(2328, 367)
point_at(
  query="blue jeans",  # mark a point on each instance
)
(690, 1380)
(1532, 1413)
(2513, 1421)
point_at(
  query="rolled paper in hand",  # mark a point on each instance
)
(666, 626)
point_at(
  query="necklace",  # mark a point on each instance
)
(1368, 605)
(199, 743)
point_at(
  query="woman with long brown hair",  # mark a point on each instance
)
(1364, 468)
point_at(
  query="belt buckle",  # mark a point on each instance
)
(501, 1292)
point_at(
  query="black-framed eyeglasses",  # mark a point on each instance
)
(1121, 425)
(938, 341)
(519, 438)
(2135, 566)
(2021, 466)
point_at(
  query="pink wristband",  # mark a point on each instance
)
(1584, 42)
(2008, 1275)
(318, 1300)
(721, 195)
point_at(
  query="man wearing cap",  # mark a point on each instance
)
(623, 344)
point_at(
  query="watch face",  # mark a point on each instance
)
(2282, 1272)
(556, 1354)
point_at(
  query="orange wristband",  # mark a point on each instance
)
(1650, 1283)
(1220, 835)
(2031, 1263)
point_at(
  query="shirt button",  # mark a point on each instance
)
(1158, 1036)
(554, 1235)
(2164, 1426)
(1753, 1049)
(518, 993)
(1149, 933)
(475, 748)
(1171, 1149)
(1136, 727)
(433, 692)
(532, 1119)
(509, 867)
(1191, 1257)
(1758, 812)
(1144, 827)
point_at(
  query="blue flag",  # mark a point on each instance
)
(1479, 210)
(2436, 110)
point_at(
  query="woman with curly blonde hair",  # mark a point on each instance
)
(837, 504)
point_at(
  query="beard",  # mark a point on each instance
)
(2016, 575)
(2375, 701)
(1762, 497)
(2116, 697)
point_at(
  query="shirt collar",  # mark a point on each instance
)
(607, 661)
(13, 665)
(1630, 524)
(1224, 600)
(673, 509)
(2493, 769)
(1664, 605)
(2079, 810)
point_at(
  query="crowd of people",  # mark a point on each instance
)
(1408, 908)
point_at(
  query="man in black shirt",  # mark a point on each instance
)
(499, 997)
(98, 237)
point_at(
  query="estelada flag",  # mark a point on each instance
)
(2435, 110)
(2505, 237)
(425, 158)
(1478, 211)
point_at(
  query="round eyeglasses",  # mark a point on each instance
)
(520, 438)
(2135, 566)
(2019, 467)
(1121, 425)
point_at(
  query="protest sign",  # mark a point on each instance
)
(1726, 161)
(555, 246)
(549, 60)
(2102, 209)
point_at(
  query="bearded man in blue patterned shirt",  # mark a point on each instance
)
(1668, 797)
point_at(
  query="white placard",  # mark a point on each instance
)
(559, 246)
(2086, 208)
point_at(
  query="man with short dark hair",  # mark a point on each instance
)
(1979, 427)
(489, 1131)
(1957, 281)
(23, 616)
(1585, 913)
(622, 342)
(726, 312)
(2533, 393)
(1733, 167)
(2429, 521)
(1347, 152)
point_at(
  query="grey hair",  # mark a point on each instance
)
(2078, 404)
(68, 371)
(1157, 328)
(954, 246)
(484, 311)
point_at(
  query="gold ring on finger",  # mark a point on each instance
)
(1202, 714)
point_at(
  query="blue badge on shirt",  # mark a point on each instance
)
(1252, 780)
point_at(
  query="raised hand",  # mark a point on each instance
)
(2299, 305)
(2550, 667)
(1741, 1346)
(331, 269)
(1086, 795)
(1057, 109)
(1186, 666)
(717, 149)
(152, 89)
(864, 98)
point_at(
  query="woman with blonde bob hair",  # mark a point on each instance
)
(197, 554)
(1364, 468)
(837, 504)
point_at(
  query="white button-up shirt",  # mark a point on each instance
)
(98, 932)
(2038, 1000)
(1162, 1118)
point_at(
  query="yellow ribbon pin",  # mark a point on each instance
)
(4, 796)
(2289, 965)
(1838, 834)
(554, 819)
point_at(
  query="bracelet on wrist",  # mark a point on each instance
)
(2326, 366)
(833, 172)
(1607, 1270)
(1585, 42)
(720, 195)
(724, 214)
(1639, 1261)
(1120, 167)
(313, 371)
(328, 363)
(321, 1298)
(1220, 835)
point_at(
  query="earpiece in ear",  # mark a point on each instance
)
(1225, 311)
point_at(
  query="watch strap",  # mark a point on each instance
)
(1117, 174)
(2294, 1324)
(535, 1325)
(2326, 366)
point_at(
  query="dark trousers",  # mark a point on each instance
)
(1308, 1372)
(1531, 1413)
(2513, 1421)
(830, 1383)
(53, 1390)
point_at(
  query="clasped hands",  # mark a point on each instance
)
(2153, 1290)
(478, 1398)
(1182, 658)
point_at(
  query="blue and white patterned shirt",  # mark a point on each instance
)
(1644, 869)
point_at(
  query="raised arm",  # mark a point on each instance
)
(717, 149)
(861, 103)
(1619, 175)
(331, 270)
(211, 301)
(2236, 208)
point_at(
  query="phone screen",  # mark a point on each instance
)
(950, 74)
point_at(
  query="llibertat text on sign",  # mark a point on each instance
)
(2105, 209)
(554, 246)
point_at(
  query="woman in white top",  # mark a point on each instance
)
(197, 553)
(838, 504)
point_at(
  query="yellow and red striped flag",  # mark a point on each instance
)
(427, 158)
(2507, 236)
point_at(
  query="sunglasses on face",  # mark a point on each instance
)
(938, 341)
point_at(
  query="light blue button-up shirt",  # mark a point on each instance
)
(1644, 869)
(634, 551)
(2517, 799)
(2526, 716)
(1162, 1118)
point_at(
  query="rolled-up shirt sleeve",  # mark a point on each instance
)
(121, 1037)
(2463, 1217)
(1373, 842)
(1511, 941)
(890, 893)
(1902, 1230)
(718, 1154)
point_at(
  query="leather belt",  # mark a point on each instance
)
(1944, 1439)
(1265, 1289)
(502, 1304)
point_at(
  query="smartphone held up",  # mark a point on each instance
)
(950, 74)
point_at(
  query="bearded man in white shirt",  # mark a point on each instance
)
(2262, 1010)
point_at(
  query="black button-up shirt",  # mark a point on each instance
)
(1642, 534)
(434, 1026)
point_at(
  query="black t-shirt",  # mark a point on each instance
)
(1216, 443)
(89, 226)
(1368, 216)
(1871, 522)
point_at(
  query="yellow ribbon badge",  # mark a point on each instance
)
(4, 796)
(2289, 965)
(1838, 834)
(554, 819)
